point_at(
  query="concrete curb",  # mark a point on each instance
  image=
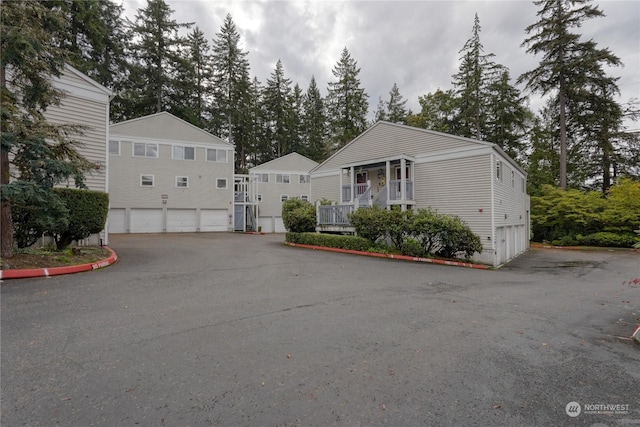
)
(257, 233)
(636, 335)
(581, 248)
(55, 271)
(392, 256)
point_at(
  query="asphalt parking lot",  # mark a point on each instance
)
(240, 330)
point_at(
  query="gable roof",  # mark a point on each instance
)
(385, 139)
(292, 161)
(165, 126)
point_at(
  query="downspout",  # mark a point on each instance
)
(106, 173)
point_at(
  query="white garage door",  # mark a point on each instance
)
(182, 220)
(213, 219)
(117, 220)
(272, 224)
(146, 221)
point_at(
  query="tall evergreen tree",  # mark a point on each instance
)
(347, 104)
(192, 88)
(315, 124)
(258, 147)
(470, 83)
(438, 112)
(508, 116)
(35, 155)
(381, 111)
(231, 85)
(566, 60)
(277, 101)
(296, 125)
(156, 56)
(396, 106)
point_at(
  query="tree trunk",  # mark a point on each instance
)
(6, 224)
(563, 139)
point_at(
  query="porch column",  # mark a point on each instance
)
(352, 173)
(341, 190)
(403, 180)
(388, 180)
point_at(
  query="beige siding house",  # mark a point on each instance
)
(86, 103)
(166, 175)
(391, 164)
(280, 179)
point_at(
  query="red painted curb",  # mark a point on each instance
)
(580, 248)
(259, 233)
(55, 271)
(392, 256)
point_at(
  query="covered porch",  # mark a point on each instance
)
(381, 182)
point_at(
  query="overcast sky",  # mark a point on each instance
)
(415, 44)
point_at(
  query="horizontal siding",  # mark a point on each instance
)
(271, 192)
(386, 140)
(510, 198)
(325, 187)
(124, 180)
(458, 187)
(93, 116)
(290, 162)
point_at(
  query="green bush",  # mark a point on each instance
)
(369, 223)
(298, 216)
(425, 228)
(329, 240)
(87, 215)
(38, 212)
(609, 240)
(396, 225)
(413, 247)
(456, 237)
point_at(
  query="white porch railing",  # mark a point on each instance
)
(334, 214)
(396, 190)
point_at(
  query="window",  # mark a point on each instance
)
(221, 183)
(283, 178)
(143, 149)
(182, 182)
(513, 179)
(184, 153)
(214, 155)
(305, 179)
(304, 197)
(284, 197)
(259, 197)
(261, 177)
(523, 185)
(146, 180)
(114, 147)
(499, 170)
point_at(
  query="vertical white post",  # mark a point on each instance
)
(403, 180)
(388, 180)
(341, 185)
(352, 183)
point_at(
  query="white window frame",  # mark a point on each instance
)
(181, 150)
(153, 180)
(304, 178)
(499, 170)
(226, 183)
(182, 178)
(114, 141)
(284, 197)
(280, 178)
(146, 145)
(216, 152)
(260, 177)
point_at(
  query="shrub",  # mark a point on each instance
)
(329, 240)
(87, 215)
(298, 216)
(456, 237)
(36, 214)
(396, 225)
(369, 223)
(425, 229)
(413, 247)
(607, 239)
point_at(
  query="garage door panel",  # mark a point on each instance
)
(213, 219)
(182, 220)
(117, 220)
(146, 221)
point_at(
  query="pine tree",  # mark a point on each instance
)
(231, 85)
(277, 102)
(566, 60)
(470, 83)
(396, 106)
(35, 155)
(156, 55)
(315, 124)
(508, 117)
(192, 87)
(381, 111)
(346, 102)
(438, 112)
(296, 125)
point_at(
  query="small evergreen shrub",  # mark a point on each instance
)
(329, 240)
(369, 223)
(298, 216)
(608, 240)
(87, 215)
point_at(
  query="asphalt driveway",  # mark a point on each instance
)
(234, 330)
